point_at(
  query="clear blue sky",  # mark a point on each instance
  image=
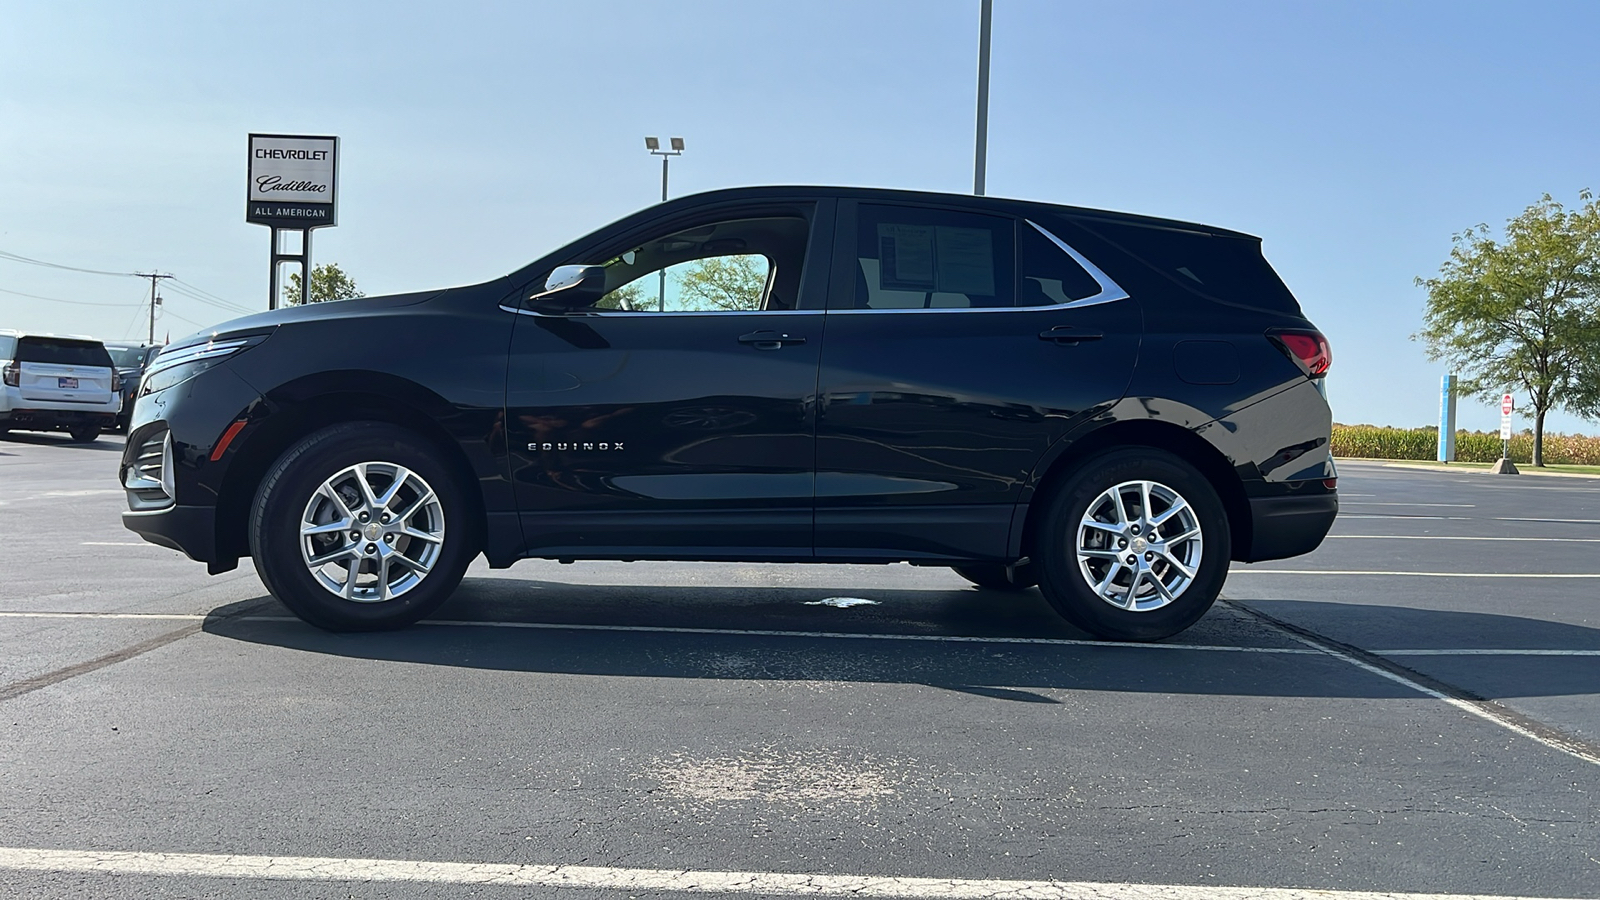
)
(1354, 137)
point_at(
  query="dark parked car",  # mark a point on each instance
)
(130, 360)
(1110, 406)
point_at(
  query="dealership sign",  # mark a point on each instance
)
(293, 181)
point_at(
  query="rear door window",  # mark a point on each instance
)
(63, 352)
(911, 257)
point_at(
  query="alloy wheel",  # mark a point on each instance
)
(1139, 545)
(372, 532)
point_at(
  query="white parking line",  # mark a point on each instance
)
(1484, 652)
(654, 881)
(1471, 518)
(117, 544)
(87, 615)
(1444, 537)
(1394, 503)
(1254, 571)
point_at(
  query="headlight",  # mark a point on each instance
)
(179, 364)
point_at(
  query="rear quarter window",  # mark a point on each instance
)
(1219, 267)
(8, 346)
(63, 352)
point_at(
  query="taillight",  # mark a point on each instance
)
(1309, 349)
(116, 383)
(13, 375)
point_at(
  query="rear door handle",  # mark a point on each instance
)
(1066, 334)
(770, 340)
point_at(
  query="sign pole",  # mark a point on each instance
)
(1505, 466)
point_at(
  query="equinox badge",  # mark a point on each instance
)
(575, 445)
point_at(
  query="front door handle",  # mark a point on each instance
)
(1066, 334)
(770, 340)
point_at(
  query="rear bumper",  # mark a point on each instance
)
(1289, 525)
(57, 418)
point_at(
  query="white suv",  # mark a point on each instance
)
(57, 383)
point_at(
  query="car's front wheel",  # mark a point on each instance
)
(1134, 547)
(359, 527)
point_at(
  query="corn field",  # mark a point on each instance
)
(1375, 442)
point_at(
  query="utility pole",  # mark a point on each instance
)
(154, 300)
(980, 162)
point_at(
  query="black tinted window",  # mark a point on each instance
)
(916, 258)
(63, 351)
(1049, 275)
(1230, 269)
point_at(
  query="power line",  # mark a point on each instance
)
(59, 300)
(185, 291)
(17, 257)
(209, 295)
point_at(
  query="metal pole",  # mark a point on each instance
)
(305, 267)
(981, 157)
(661, 298)
(152, 339)
(272, 279)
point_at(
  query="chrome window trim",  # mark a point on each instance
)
(620, 313)
(1110, 291)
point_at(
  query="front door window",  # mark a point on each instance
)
(743, 265)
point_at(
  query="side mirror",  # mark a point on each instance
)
(571, 287)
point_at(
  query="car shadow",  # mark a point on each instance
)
(954, 640)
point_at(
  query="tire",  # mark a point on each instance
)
(84, 434)
(997, 577)
(399, 577)
(1068, 552)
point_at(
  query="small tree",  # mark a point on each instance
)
(723, 282)
(1523, 314)
(328, 282)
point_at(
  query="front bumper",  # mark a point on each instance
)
(191, 529)
(1289, 525)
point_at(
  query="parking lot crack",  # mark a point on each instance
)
(29, 685)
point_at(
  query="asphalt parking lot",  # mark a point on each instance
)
(1413, 708)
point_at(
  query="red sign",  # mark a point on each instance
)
(1506, 405)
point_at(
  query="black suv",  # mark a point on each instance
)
(1109, 406)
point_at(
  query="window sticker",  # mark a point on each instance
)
(965, 260)
(905, 256)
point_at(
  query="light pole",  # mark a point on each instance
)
(654, 146)
(980, 161)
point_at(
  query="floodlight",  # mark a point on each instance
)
(677, 144)
(651, 143)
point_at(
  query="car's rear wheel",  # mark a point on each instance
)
(84, 434)
(360, 527)
(998, 577)
(1134, 546)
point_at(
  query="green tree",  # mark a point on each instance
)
(723, 282)
(328, 282)
(1523, 314)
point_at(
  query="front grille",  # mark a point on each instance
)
(149, 479)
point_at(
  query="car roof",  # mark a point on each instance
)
(1013, 205)
(12, 332)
